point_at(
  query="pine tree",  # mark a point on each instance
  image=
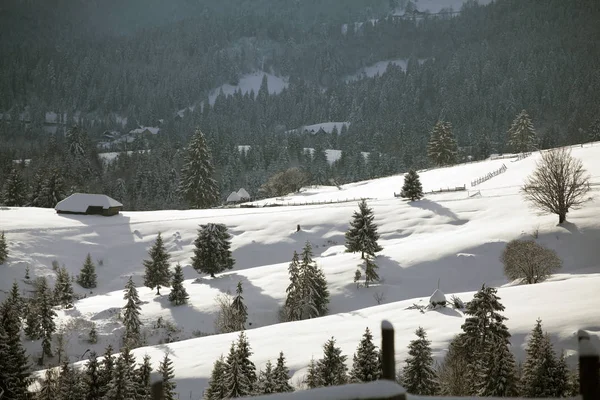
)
(93, 335)
(454, 369)
(442, 146)
(412, 188)
(216, 388)
(497, 373)
(235, 381)
(122, 384)
(165, 369)
(3, 248)
(291, 308)
(593, 131)
(418, 375)
(281, 376)
(49, 388)
(87, 275)
(63, 289)
(212, 254)
(131, 315)
(47, 315)
(370, 271)
(197, 186)
(15, 191)
(243, 353)
(33, 327)
(240, 311)
(107, 371)
(53, 189)
(521, 135)
(265, 383)
(357, 277)
(313, 377)
(69, 387)
(157, 267)
(14, 364)
(332, 367)
(365, 363)
(143, 374)
(561, 377)
(532, 360)
(362, 236)
(178, 295)
(314, 294)
(92, 382)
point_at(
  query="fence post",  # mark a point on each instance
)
(157, 391)
(589, 364)
(388, 362)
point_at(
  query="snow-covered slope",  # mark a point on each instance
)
(451, 237)
(250, 82)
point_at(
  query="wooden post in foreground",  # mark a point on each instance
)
(589, 365)
(157, 390)
(387, 351)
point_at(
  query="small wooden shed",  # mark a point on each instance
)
(89, 204)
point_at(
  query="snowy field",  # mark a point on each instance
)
(248, 83)
(435, 6)
(451, 237)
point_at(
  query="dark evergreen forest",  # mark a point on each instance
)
(145, 60)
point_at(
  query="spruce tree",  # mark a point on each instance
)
(244, 352)
(362, 236)
(14, 364)
(3, 248)
(15, 191)
(49, 387)
(53, 189)
(412, 188)
(131, 315)
(497, 373)
(92, 382)
(157, 267)
(357, 277)
(314, 297)
(265, 383)
(561, 378)
(332, 367)
(122, 385)
(454, 369)
(48, 326)
(521, 135)
(165, 369)
(212, 254)
(178, 295)
(594, 130)
(240, 311)
(198, 187)
(143, 374)
(63, 289)
(313, 378)
(69, 387)
(33, 327)
(418, 375)
(235, 381)
(442, 146)
(370, 271)
(365, 363)
(291, 308)
(216, 388)
(532, 361)
(107, 370)
(281, 376)
(93, 335)
(87, 276)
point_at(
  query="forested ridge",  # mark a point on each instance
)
(477, 70)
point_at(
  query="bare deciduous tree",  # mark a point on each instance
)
(282, 183)
(558, 184)
(529, 261)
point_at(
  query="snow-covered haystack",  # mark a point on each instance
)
(437, 299)
(233, 197)
(243, 194)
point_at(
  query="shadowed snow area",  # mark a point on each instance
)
(450, 237)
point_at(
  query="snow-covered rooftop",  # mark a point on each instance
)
(233, 197)
(243, 194)
(79, 202)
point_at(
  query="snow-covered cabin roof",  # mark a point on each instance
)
(233, 197)
(243, 194)
(437, 297)
(79, 202)
(152, 129)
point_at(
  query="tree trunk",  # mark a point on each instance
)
(562, 217)
(362, 256)
(158, 290)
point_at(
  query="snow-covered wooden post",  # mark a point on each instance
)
(589, 365)
(388, 362)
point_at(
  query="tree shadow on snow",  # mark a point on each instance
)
(438, 209)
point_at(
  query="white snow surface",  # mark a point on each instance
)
(250, 82)
(435, 6)
(451, 237)
(326, 126)
(379, 68)
(79, 202)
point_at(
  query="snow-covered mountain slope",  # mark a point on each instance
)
(456, 238)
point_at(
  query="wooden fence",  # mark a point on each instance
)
(388, 389)
(488, 176)
(305, 203)
(441, 190)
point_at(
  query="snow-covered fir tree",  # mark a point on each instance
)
(454, 368)
(198, 187)
(521, 135)
(357, 277)
(142, 378)
(69, 386)
(497, 373)
(265, 384)
(33, 327)
(53, 189)
(442, 148)
(157, 271)
(593, 131)
(244, 352)
(371, 274)
(178, 295)
(92, 383)
(106, 371)
(48, 327)
(239, 309)
(3, 248)
(131, 315)
(365, 363)
(212, 253)
(332, 367)
(291, 310)
(15, 190)
(312, 379)
(49, 387)
(235, 380)
(63, 289)
(87, 276)
(412, 188)
(14, 364)
(418, 375)
(122, 385)
(281, 375)
(216, 388)
(561, 378)
(314, 294)
(362, 235)
(165, 369)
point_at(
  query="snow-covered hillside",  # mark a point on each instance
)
(456, 238)
(435, 6)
